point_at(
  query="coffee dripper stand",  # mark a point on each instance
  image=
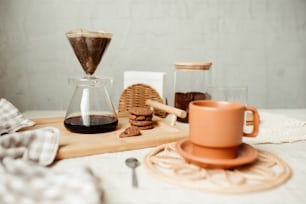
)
(90, 109)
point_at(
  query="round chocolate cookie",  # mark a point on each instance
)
(140, 117)
(140, 123)
(144, 111)
(130, 131)
(133, 117)
(144, 127)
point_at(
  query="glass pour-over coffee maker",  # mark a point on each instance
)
(90, 109)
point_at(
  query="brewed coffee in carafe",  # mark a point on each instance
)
(90, 109)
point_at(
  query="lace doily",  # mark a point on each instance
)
(278, 128)
(266, 172)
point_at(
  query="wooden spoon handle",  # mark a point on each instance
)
(178, 112)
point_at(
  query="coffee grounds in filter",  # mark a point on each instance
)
(89, 47)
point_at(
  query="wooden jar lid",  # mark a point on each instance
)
(193, 65)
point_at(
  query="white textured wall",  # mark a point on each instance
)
(259, 43)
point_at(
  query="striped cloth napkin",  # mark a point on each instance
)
(11, 120)
(39, 145)
(24, 157)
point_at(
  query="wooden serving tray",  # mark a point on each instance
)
(77, 145)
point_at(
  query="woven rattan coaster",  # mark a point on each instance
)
(266, 172)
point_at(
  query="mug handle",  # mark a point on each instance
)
(255, 122)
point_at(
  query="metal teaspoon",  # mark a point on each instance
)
(133, 163)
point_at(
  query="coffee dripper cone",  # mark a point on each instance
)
(90, 109)
(89, 47)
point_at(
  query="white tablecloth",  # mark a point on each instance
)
(116, 177)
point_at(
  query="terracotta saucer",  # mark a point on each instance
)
(246, 155)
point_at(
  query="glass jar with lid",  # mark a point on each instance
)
(191, 81)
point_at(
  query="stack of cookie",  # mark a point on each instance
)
(141, 117)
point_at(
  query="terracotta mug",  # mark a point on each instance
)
(216, 128)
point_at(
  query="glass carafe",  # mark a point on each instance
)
(90, 109)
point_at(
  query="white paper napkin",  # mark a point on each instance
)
(154, 79)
